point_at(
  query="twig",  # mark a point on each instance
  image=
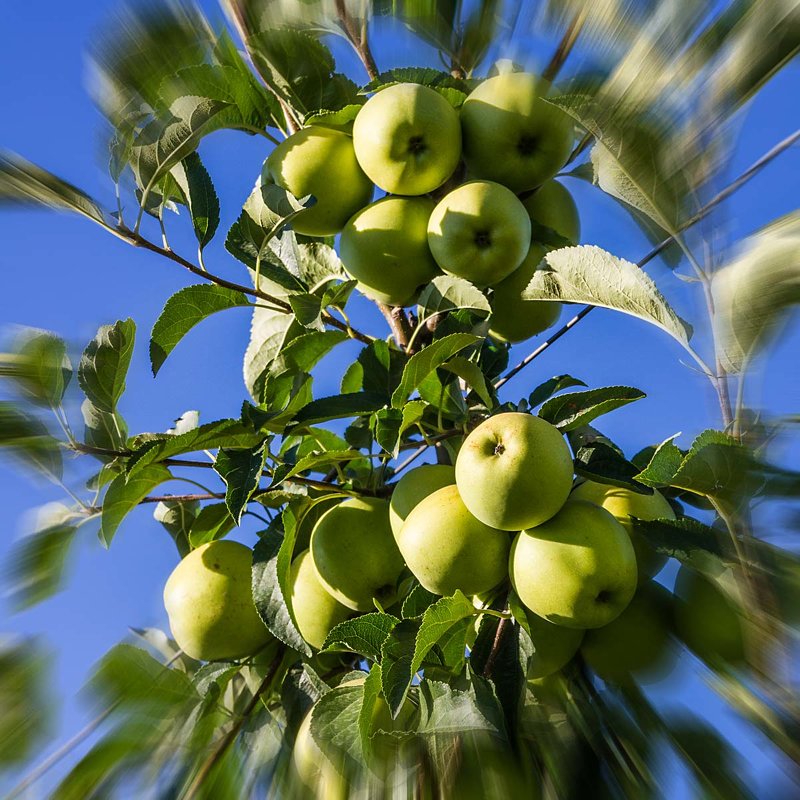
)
(398, 322)
(565, 46)
(358, 38)
(493, 653)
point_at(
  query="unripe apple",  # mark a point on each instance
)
(707, 621)
(385, 247)
(624, 504)
(318, 774)
(414, 487)
(552, 205)
(514, 471)
(355, 553)
(315, 611)
(321, 162)
(637, 643)
(446, 548)
(554, 645)
(578, 569)
(479, 231)
(209, 601)
(510, 135)
(407, 139)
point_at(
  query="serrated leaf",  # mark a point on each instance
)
(177, 518)
(335, 728)
(26, 437)
(307, 309)
(590, 275)
(422, 364)
(212, 522)
(364, 635)
(39, 365)
(102, 429)
(680, 538)
(183, 311)
(444, 710)
(240, 469)
(568, 411)
(447, 293)
(437, 620)
(342, 119)
(602, 464)
(417, 602)
(397, 654)
(425, 76)
(199, 197)
(471, 374)
(320, 462)
(544, 391)
(124, 495)
(104, 364)
(338, 407)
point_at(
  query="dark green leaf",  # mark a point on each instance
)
(335, 728)
(104, 364)
(212, 522)
(339, 407)
(199, 196)
(417, 602)
(382, 367)
(307, 309)
(448, 711)
(320, 462)
(26, 437)
(472, 375)
(104, 430)
(301, 688)
(546, 390)
(681, 538)
(568, 411)
(241, 470)
(177, 517)
(397, 654)
(364, 635)
(425, 76)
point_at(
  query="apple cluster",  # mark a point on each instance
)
(468, 192)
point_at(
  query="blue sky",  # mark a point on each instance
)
(66, 275)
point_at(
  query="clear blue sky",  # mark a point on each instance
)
(66, 275)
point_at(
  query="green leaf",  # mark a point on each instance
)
(382, 367)
(335, 726)
(26, 437)
(177, 517)
(39, 365)
(471, 373)
(270, 331)
(212, 522)
(301, 688)
(447, 293)
(444, 710)
(23, 182)
(422, 364)
(321, 462)
(681, 538)
(272, 558)
(364, 635)
(568, 411)
(241, 471)
(104, 364)
(437, 620)
(124, 495)
(417, 602)
(183, 311)
(307, 309)
(199, 197)
(339, 407)
(603, 464)
(544, 391)
(341, 120)
(425, 76)
(664, 463)
(588, 274)
(397, 654)
(366, 717)
(103, 429)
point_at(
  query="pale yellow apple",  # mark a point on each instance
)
(578, 569)
(321, 162)
(385, 248)
(446, 548)
(414, 487)
(209, 601)
(514, 471)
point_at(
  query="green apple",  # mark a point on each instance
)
(514, 471)
(407, 139)
(321, 162)
(385, 248)
(637, 643)
(554, 645)
(513, 318)
(707, 621)
(624, 504)
(355, 553)
(315, 611)
(479, 231)
(318, 774)
(414, 487)
(511, 135)
(446, 548)
(552, 205)
(578, 569)
(209, 603)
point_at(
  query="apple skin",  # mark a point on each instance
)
(707, 621)
(414, 487)
(322, 162)
(514, 471)
(316, 771)
(407, 139)
(209, 602)
(355, 553)
(577, 569)
(315, 611)
(479, 231)
(385, 247)
(555, 646)
(511, 136)
(552, 205)
(446, 548)
(637, 643)
(624, 504)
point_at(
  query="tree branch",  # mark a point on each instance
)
(358, 38)
(565, 46)
(496, 644)
(398, 322)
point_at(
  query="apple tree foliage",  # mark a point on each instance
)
(651, 133)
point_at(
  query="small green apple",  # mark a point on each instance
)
(624, 504)
(514, 471)
(578, 569)
(355, 553)
(315, 611)
(414, 487)
(318, 774)
(552, 205)
(446, 548)
(637, 643)
(407, 139)
(479, 231)
(707, 621)
(511, 135)
(209, 603)
(554, 645)
(385, 247)
(321, 162)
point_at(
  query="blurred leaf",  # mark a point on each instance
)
(104, 364)
(183, 311)
(25, 437)
(212, 522)
(335, 728)
(444, 710)
(425, 76)
(680, 538)
(569, 411)
(199, 196)
(588, 274)
(546, 390)
(240, 469)
(301, 688)
(364, 635)
(338, 407)
(177, 517)
(39, 365)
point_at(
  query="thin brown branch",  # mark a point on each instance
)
(398, 322)
(502, 626)
(358, 38)
(565, 46)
